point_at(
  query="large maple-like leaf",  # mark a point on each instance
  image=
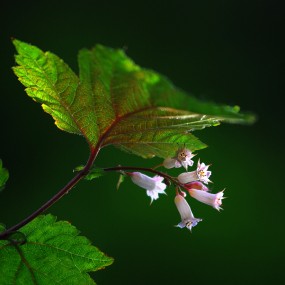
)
(114, 101)
(49, 252)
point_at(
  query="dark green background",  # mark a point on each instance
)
(226, 51)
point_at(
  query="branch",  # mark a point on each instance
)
(57, 196)
(167, 177)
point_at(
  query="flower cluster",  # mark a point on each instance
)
(193, 182)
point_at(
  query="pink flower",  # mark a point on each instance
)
(196, 185)
(183, 158)
(187, 218)
(153, 185)
(214, 200)
(201, 174)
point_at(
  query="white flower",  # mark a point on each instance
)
(182, 158)
(171, 162)
(214, 200)
(201, 173)
(187, 218)
(153, 186)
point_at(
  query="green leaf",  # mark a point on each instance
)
(52, 254)
(4, 176)
(52, 83)
(120, 181)
(93, 173)
(115, 102)
(17, 237)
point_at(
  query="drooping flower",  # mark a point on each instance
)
(214, 200)
(183, 158)
(152, 185)
(201, 173)
(187, 218)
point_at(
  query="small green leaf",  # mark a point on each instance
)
(120, 181)
(4, 176)
(116, 102)
(17, 237)
(52, 254)
(93, 173)
(2, 227)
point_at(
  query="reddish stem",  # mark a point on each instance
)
(57, 196)
(81, 174)
(122, 168)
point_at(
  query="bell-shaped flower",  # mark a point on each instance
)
(214, 200)
(201, 173)
(152, 185)
(183, 158)
(187, 218)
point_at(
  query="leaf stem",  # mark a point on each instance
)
(57, 196)
(24, 260)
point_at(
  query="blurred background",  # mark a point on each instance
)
(224, 51)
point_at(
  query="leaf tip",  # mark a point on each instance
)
(251, 118)
(4, 176)
(16, 42)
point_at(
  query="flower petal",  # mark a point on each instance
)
(143, 180)
(152, 185)
(196, 185)
(214, 200)
(187, 177)
(169, 162)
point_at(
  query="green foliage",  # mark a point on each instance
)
(4, 176)
(94, 172)
(116, 102)
(120, 181)
(53, 253)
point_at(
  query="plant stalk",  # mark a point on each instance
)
(125, 168)
(56, 197)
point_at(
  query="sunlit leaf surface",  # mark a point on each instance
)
(114, 101)
(53, 253)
